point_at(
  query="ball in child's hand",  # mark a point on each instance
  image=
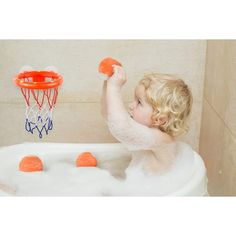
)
(31, 164)
(106, 64)
(86, 159)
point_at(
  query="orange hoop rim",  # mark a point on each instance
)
(38, 78)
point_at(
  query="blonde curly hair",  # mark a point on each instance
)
(169, 97)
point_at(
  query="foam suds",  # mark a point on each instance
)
(62, 178)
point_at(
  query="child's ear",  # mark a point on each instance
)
(160, 120)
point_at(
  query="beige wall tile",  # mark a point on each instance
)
(230, 110)
(211, 147)
(220, 82)
(218, 127)
(77, 61)
(228, 164)
(73, 123)
(216, 85)
(12, 124)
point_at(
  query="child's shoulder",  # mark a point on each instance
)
(162, 137)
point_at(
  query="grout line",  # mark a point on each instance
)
(218, 115)
(23, 102)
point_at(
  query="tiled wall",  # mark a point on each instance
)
(218, 128)
(77, 116)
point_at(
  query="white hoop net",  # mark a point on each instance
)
(39, 108)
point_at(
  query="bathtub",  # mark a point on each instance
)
(54, 153)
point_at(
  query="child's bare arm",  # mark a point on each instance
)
(103, 100)
(131, 133)
(116, 167)
(113, 92)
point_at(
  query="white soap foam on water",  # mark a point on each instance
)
(62, 178)
(59, 177)
(137, 183)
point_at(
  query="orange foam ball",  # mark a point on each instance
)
(106, 64)
(31, 164)
(86, 159)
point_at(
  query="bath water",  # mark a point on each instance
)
(62, 178)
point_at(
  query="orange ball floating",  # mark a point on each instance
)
(106, 64)
(86, 159)
(31, 164)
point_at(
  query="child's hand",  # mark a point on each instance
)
(118, 79)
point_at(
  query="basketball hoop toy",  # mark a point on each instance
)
(40, 90)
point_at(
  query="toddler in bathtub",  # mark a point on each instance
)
(158, 114)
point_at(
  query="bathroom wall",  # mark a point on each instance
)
(77, 117)
(218, 126)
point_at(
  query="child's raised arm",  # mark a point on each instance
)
(103, 100)
(122, 126)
